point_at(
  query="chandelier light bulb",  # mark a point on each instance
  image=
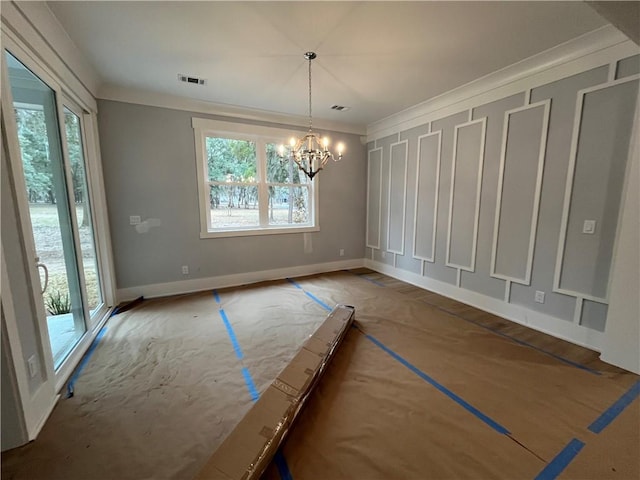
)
(292, 142)
(325, 142)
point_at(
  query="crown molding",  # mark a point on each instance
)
(175, 102)
(590, 50)
(36, 29)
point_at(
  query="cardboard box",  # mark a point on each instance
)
(250, 447)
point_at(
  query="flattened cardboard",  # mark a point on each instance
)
(250, 447)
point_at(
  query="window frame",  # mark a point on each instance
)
(261, 136)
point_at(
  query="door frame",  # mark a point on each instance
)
(37, 409)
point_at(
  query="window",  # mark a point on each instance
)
(244, 188)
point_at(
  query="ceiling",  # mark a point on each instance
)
(376, 57)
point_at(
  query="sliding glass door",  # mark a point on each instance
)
(55, 182)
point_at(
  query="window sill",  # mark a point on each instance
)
(276, 230)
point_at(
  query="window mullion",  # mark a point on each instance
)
(263, 191)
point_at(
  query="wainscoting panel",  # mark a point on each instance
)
(464, 200)
(604, 119)
(518, 197)
(374, 197)
(426, 197)
(397, 197)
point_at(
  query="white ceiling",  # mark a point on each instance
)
(376, 57)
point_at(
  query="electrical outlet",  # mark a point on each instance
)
(33, 366)
(135, 220)
(383, 254)
(342, 252)
(589, 227)
(539, 296)
(185, 270)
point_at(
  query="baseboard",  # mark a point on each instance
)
(223, 281)
(556, 327)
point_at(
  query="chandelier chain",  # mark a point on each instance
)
(310, 117)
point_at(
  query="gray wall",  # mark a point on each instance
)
(148, 156)
(600, 161)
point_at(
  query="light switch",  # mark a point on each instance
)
(589, 227)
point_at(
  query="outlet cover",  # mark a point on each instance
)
(589, 227)
(135, 220)
(539, 296)
(33, 366)
(342, 252)
(185, 270)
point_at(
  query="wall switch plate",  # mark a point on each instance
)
(342, 252)
(33, 366)
(384, 254)
(589, 227)
(539, 296)
(135, 220)
(185, 270)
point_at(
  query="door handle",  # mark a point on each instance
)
(46, 274)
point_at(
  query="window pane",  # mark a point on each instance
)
(234, 206)
(282, 171)
(231, 160)
(288, 205)
(83, 210)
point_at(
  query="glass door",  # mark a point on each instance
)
(56, 190)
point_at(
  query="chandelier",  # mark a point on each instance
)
(310, 153)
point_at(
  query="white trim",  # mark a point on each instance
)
(368, 243)
(102, 233)
(260, 135)
(175, 102)
(255, 231)
(575, 56)
(431, 258)
(542, 150)
(36, 406)
(223, 281)
(458, 277)
(577, 123)
(474, 243)
(556, 327)
(527, 96)
(507, 291)
(404, 196)
(19, 33)
(233, 128)
(24, 220)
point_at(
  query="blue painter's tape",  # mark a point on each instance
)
(497, 332)
(250, 385)
(561, 461)
(616, 409)
(463, 403)
(283, 468)
(232, 335)
(310, 295)
(85, 361)
(318, 301)
(375, 282)
(216, 296)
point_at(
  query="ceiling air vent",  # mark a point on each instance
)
(192, 79)
(340, 108)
